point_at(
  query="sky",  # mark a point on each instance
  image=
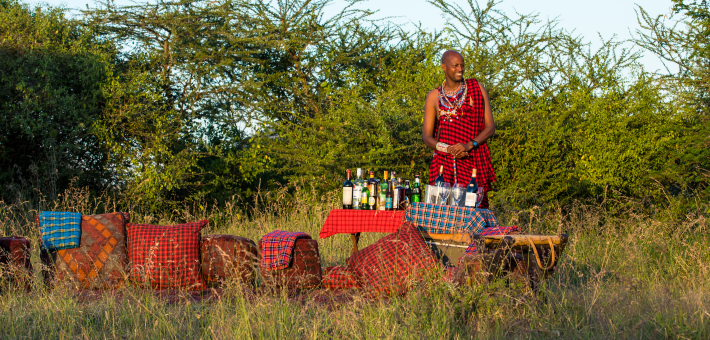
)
(588, 19)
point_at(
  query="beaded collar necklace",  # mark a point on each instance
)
(446, 98)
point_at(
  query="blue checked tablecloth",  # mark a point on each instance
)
(447, 219)
(59, 230)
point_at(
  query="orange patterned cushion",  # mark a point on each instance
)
(101, 260)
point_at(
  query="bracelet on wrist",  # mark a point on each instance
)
(443, 147)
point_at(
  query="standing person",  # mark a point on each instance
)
(457, 123)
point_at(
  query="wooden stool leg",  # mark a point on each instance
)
(355, 238)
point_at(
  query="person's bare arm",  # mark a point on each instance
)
(430, 109)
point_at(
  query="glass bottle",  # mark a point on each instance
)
(347, 191)
(472, 191)
(357, 190)
(416, 190)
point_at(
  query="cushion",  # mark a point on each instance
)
(304, 271)
(228, 257)
(100, 261)
(392, 264)
(165, 257)
(15, 264)
(339, 278)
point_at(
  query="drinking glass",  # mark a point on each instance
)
(479, 198)
(458, 191)
(432, 193)
(444, 192)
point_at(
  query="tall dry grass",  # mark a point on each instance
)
(634, 271)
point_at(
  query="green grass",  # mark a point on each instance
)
(637, 276)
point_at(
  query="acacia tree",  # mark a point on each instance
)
(176, 123)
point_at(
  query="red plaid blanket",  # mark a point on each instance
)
(277, 248)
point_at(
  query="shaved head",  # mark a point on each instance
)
(453, 65)
(448, 55)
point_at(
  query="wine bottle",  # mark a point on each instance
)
(393, 190)
(384, 188)
(416, 190)
(472, 191)
(357, 189)
(372, 188)
(439, 179)
(398, 197)
(347, 192)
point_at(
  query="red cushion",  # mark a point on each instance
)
(393, 263)
(165, 257)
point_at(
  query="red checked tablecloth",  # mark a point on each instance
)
(342, 221)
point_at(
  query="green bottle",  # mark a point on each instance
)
(416, 190)
(383, 192)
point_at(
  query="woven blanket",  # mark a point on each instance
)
(491, 232)
(448, 219)
(59, 230)
(277, 248)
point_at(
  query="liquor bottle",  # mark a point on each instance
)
(357, 190)
(398, 197)
(347, 192)
(365, 197)
(439, 179)
(395, 193)
(407, 193)
(384, 188)
(372, 188)
(416, 190)
(390, 196)
(472, 191)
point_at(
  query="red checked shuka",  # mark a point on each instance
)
(463, 127)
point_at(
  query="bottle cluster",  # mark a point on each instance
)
(390, 193)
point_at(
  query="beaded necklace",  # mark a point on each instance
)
(446, 98)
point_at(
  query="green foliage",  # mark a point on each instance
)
(51, 78)
(685, 45)
(175, 124)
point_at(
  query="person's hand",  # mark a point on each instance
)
(458, 150)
